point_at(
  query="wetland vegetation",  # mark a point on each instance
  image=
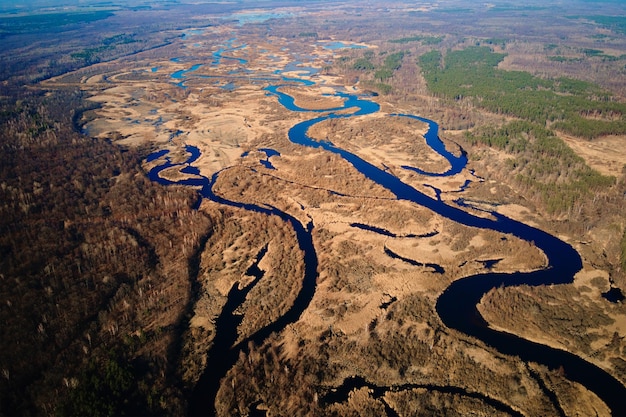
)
(118, 293)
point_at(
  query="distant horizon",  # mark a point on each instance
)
(9, 9)
(39, 4)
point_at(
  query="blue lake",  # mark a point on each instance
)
(342, 45)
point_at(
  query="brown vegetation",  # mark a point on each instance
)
(110, 285)
(95, 257)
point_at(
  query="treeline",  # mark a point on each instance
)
(614, 23)
(48, 22)
(379, 72)
(581, 127)
(424, 39)
(543, 162)
(93, 54)
(104, 38)
(575, 107)
(364, 63)
(392, 62)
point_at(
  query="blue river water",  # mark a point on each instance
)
(341, 45)
(456, 306)
(457, 163)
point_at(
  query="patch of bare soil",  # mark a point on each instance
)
(606, 154)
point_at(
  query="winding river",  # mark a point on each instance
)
(456, 306)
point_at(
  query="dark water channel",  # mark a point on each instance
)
(456, 306)
(341, 393)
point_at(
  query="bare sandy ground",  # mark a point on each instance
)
(606, 154)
